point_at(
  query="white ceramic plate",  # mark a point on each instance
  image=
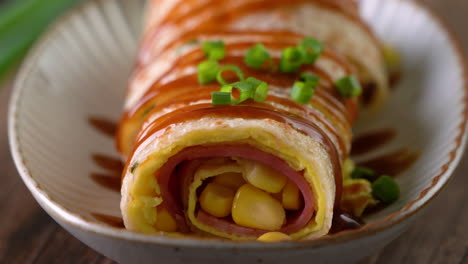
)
(80, 69)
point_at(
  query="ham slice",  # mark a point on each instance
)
(171, 183)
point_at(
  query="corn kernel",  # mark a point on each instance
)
(216, 200)
(392, 58)
(165, 222)
(291, 198)
(255, 208)
(274, 237)
(232, 180)
(264, 177)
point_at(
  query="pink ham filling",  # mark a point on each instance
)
(171, 187)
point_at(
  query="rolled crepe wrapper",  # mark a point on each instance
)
(169, 118)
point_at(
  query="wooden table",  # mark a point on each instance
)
(29, 235)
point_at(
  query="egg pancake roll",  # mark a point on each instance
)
(269, 162)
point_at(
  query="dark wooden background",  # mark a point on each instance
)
(29, 235)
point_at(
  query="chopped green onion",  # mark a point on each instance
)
(291, 60)
(311, 49)
(259, 88)
(245, 92)
(250, 88)
(302, 92)
(364, 173)
(348, 86)
(207, 71)
(311, 79)
(214, 50)
(261, 92)
(221, 98)
(233, 68)
(135, 165)
(386, 189)
(257, 56)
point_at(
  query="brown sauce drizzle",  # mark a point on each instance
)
(103, 125)
(245, 7)
(368, 92)
(114, 166)
(272, 77)
(113, 221)
(392, 163)
(220, 14)
(370, 89)
(395, 78)
(214, 17)
(370, 141)
(108, 163)
(332, 104)
(180, 12)
(161, 125)
(111, 182)
(302, 111)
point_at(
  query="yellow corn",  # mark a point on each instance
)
(291, 197)
(264, 177)
(274, 237)
(255, 208)
(216, 200)
(230, 179)
(392, 58)
(165, 222)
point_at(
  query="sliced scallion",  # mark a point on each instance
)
(261, 92)
(302, 92)
(259, 88)
(233, 68)
(207, 71)
(348, 86)
(257, 56)
(214, 50)
(291, 60)
(311, 79)
(311, 49)
(221, 98)
(245, 92)
(249, 88)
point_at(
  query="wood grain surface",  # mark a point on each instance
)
(29, 235)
